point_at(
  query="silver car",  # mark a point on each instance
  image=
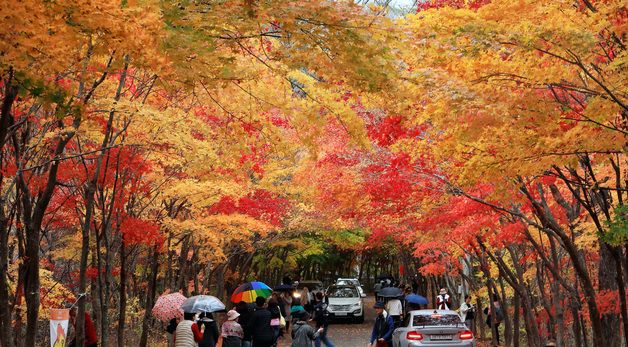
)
(434, 328)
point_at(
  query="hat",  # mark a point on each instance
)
(379, 304)
(443, 291)
(303, 315)
(232, 315)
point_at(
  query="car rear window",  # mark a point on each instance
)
(436, 319)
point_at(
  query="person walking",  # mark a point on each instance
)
(286, 298)
(275, 315)
(467, 313)
(415, 285)
(231, 331)
(170, 329)
(91, 340)
(395, 310)
(210, 331)
(322, 321)
(306, 299)
(443, 300)
(245, 313)
(377, 288)
(187, 333)
(262, 331)
(302, 333)
(381, 336)
(494, 319)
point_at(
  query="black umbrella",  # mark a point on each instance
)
(384, 277)
(390, 292)
(284, 288)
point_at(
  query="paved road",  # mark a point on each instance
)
(349, 334)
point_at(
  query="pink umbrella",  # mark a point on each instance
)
(167, 307)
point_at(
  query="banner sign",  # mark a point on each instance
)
(59, 319)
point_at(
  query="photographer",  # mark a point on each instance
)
(467, 313)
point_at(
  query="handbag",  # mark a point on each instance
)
(381, 344)
(282, 321)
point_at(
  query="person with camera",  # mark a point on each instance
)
(467, 313)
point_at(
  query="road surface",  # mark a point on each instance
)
(348, 334)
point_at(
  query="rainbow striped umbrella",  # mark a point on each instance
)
(249, 291)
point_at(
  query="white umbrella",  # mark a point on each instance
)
(202, 303)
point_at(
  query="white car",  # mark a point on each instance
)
(433, 328)
(345, 302)
(351, 282)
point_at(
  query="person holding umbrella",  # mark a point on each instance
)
(245, 316)
(188, 333)
(263, 334)
(210, 333)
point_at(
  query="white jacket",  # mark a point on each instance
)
(394, 307)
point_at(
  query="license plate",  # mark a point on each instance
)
(341, 313)
(442, 337)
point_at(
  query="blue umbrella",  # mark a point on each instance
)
(416, 299)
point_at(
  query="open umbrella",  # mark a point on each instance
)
(416, 299)
(249, 291)
(284, 288)
(390, 292)
(202, 303)
(384, 277)
(167, 306)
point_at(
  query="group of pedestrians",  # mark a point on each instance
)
(389, 313)
(259, 326)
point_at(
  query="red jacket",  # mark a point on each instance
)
(90, 331)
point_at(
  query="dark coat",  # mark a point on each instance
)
(210, 335)
(245, 317)
(231, 341)
(303, 334)
(260, 326)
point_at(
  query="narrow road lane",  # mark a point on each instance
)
(346, 334)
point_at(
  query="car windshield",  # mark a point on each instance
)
(348, 282)
(342, 292)
(436, 319)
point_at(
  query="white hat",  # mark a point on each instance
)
(443, 291)
(232, 315)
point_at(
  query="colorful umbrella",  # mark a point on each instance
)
(249, 291)
(202, 303)
(167, 307)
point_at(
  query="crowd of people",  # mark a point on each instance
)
(262, 324)
(391, 312)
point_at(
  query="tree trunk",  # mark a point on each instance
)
(516, 321)
(122, 294)
(150, 297)
(607, 275)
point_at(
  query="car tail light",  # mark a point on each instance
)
(414, 336)
(465, 335)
